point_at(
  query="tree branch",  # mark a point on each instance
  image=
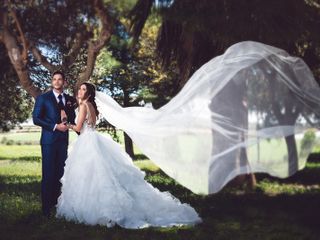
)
(42, 59)
(94, 46)
(106, 25)
(22, 36)
(306, 117)
(18, 63)
(16, 59)
(36, 53)
(3, 22)
(74, 51)
(138, 16)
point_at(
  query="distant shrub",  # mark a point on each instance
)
(3, 140)
(307, 142)
(9, 142)
(6, 141)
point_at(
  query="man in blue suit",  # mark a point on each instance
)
(52, 111)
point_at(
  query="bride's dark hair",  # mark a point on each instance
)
(90, 95)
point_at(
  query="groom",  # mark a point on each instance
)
(52, 111)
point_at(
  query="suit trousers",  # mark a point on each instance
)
(53, 161)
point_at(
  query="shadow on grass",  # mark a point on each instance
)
(314, 157)
(230, 214)
(300, 210)
(12, 184)
(140, 157)
(310, 175)
(25, 158)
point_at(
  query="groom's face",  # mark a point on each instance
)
(57, 82)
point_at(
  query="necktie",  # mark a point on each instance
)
(60, 103)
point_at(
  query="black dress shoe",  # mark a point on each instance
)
(48, 214)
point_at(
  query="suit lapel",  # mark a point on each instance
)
(54, 105)
(54, 100)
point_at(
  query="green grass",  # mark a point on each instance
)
(35, 136)
(23, 136)
(275, 209)
(24, 152)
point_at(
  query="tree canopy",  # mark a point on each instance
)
(193, 32)
(44, 36)
(40, 36)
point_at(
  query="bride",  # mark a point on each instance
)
(239, 113)
(101, 185)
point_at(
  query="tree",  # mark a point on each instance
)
(15, 103)
(278, 102)
(130, 73)
(192, 33)
(36, 38)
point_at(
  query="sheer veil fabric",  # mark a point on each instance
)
(244, 111)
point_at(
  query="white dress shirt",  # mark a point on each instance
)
(63, 97)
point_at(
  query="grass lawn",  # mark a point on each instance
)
(276, 209)
(34, 137)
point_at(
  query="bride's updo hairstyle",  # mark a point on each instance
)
(90, 95)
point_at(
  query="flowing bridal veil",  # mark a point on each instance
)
(244, 111)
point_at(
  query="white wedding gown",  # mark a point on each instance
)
(245, 111)
(101, 185)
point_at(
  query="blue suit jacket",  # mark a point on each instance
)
(46, 115)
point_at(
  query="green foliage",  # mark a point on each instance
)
(307, 142)
(163, 83)
(53, 27)
(60, 30)
(119, 70)
(15, 103)
(104, 126)
(192, 33)
(132, 73)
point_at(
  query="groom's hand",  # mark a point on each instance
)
(62, 127)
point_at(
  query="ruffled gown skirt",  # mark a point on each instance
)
(102, 186)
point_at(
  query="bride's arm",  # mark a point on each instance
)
(81, 117)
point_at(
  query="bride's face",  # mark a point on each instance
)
(82, 92)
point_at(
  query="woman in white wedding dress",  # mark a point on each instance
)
(101, 185)
(239, 113)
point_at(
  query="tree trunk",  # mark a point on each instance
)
(249, 178)
(127, 140)
(293, 165)
(289, 118)
(17, 61)
(230, 103)
(128, 145)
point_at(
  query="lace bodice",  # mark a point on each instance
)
(89, 123)
(87, 126)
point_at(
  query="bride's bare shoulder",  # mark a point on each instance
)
(90, 108)
(82, 107)
(89, 104)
